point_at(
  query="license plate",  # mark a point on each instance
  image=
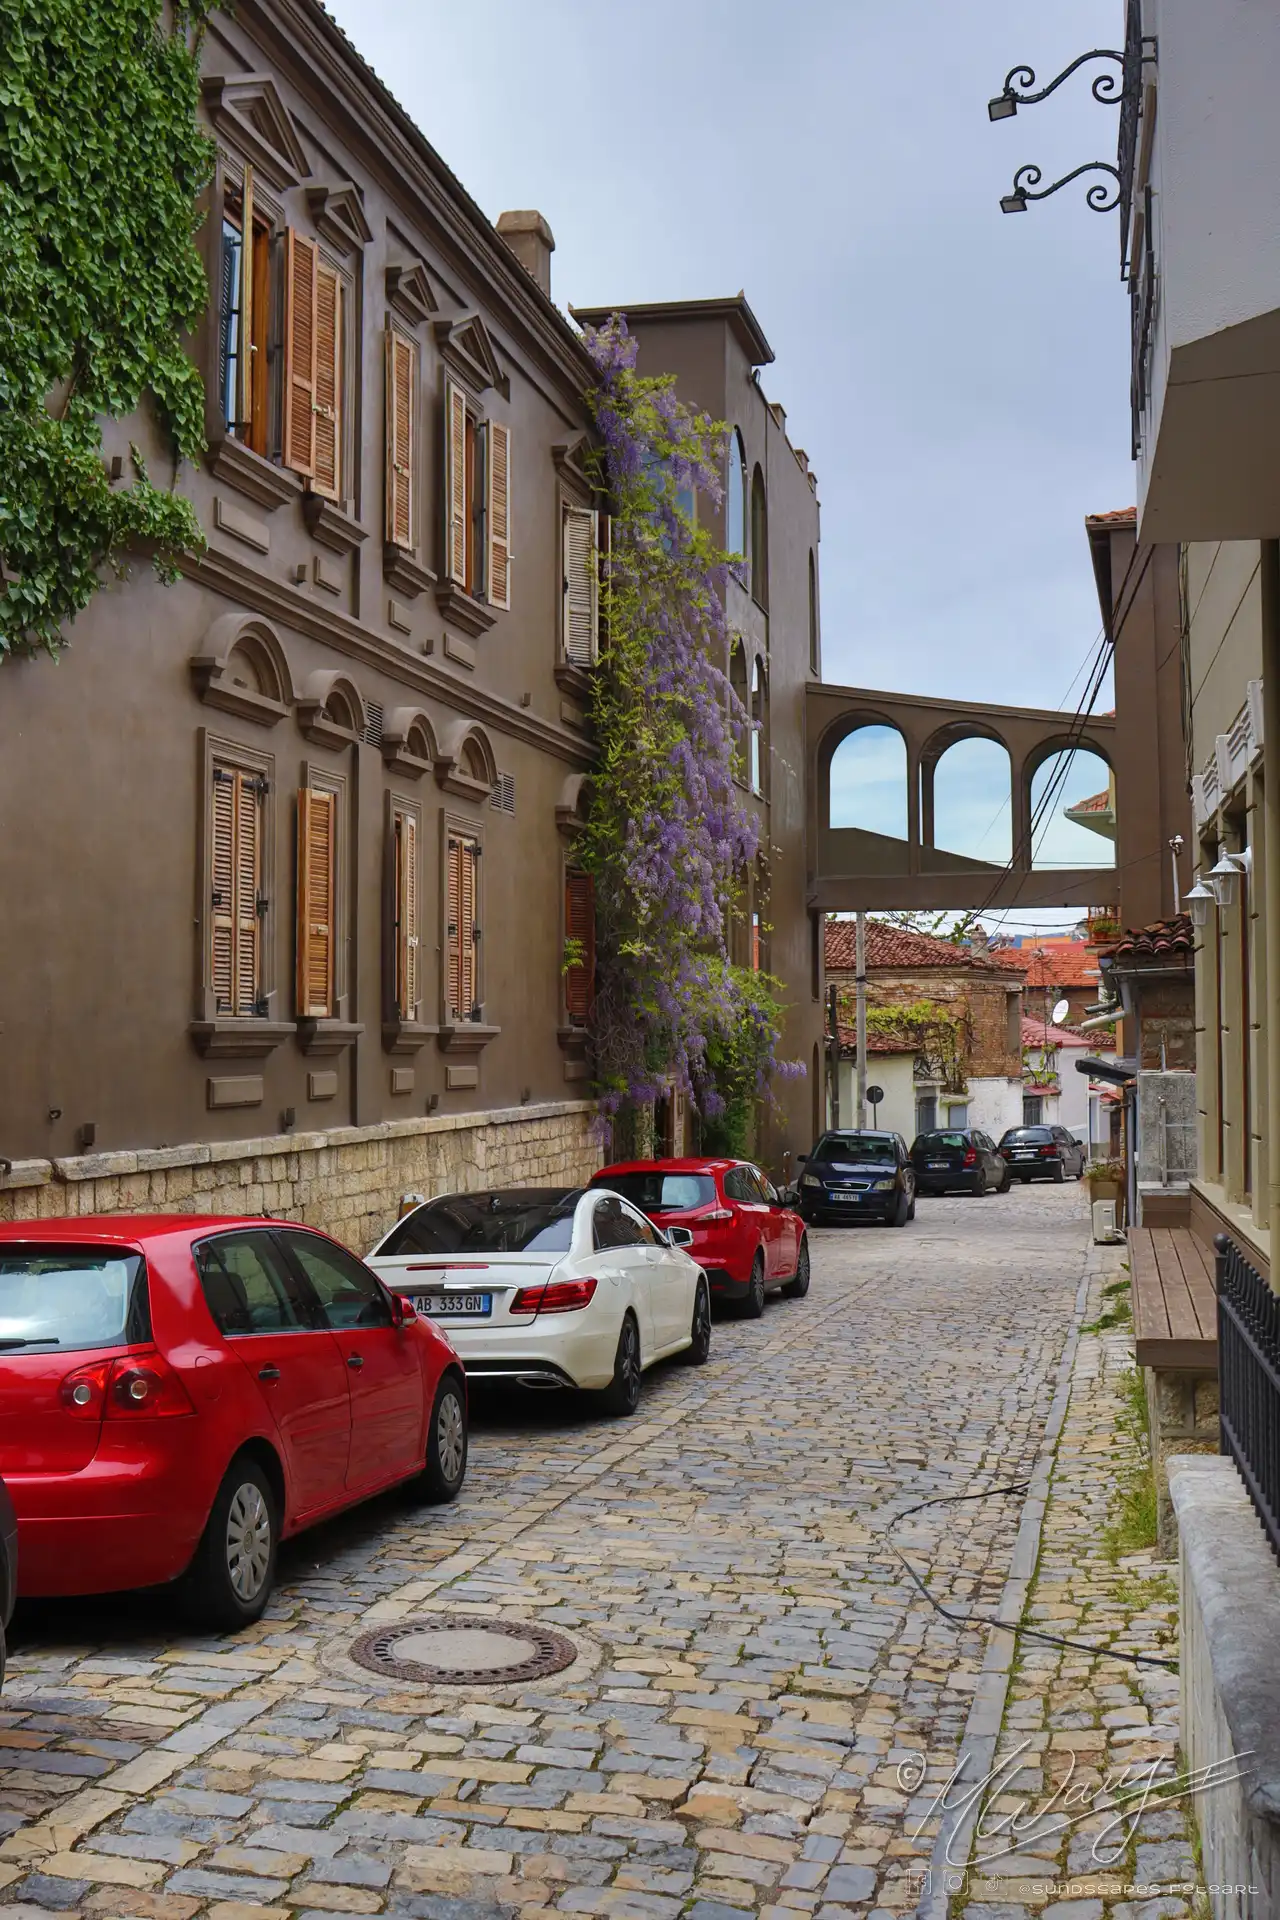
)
(454, 1306)
(1024, 1156)
(844, 1196)
(939, 1166)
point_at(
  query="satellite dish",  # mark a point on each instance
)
(1060, 1012)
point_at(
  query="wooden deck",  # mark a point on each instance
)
(1175, 1302)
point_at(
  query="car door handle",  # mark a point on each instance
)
(355, 1361)
(268, 1373)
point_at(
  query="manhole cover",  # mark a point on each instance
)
(454, 1650)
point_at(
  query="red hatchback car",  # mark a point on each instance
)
(744, 1239)
(177, 1395)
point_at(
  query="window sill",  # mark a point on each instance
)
(406, 1036)
(259, 479)
(466, 1037)
(331, 524)
(314, 725)
(215, 689)
(461, 610)
(401, 571)
(573, 1040)
(237, 1037)
(319, 1039)
(574, 679)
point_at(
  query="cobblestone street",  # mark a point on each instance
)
(755, 1664)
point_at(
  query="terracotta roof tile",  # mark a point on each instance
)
(1072, 965)
(1036, 1034)
(1096, 803)
(1154, 942)
(895, 947)
(1118, 517)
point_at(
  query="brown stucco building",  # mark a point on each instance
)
(285, 927)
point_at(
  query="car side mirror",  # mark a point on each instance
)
(679, 1236)
(402, 1310)
(789, 1197)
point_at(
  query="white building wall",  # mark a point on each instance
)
(995, 1103)
(894, 1072)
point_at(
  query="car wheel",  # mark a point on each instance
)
(1005, 1184)
(230, 1579)
(901, 1213)
(446, 1466)
(753, 1305)
(911, 1210)
(1059, 1174)
(797, 1288)
(622, 1395)
(982, 1188)
(1080, 1169)
(698, 1351)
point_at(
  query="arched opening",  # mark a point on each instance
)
(341, 708)
(1073, 818)
(735, 499)
(813, 614)
(869, 782)
(759, 542)
(739, 714)
(972, 813)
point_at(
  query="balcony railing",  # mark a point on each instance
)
(1130, 109)
(1249, 1380)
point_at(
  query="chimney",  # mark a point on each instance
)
(532, 242)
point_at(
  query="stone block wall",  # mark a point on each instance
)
(1182, 1414)
(347, 1181)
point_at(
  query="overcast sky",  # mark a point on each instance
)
(958, 377)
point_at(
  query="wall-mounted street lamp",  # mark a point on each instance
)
(1223, 877)
(1107, 87)
(1110, 88)
(1197, 900)
(1102, 199)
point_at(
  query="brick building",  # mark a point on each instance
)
(983, 997)
(1054, 970)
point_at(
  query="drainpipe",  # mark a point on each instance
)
(1270, 580)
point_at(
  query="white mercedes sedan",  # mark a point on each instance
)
(551, 1287)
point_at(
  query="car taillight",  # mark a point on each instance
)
(1050, 1153)
(970, 1158)
(557, 1296)
(115, 1389)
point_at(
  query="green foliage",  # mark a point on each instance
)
(1131, 1527)
(739, 1057)
(101, 166)
(938, 1033)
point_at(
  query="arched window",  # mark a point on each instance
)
(740, 718)
(759, 542)
(813, 614)
(735, 502)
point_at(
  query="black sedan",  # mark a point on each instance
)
(1043, 1153)
(8, 1567)
(858, 1176)
(959, 1160)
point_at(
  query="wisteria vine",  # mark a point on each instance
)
(667, 837)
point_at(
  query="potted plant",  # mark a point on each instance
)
(1106, 1179)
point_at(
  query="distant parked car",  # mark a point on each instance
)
(959, 1160)
(8, 1567)
(858, 1176)
(179, 1394)
(1043, 1153)
(747, 1241)
(551, 1287)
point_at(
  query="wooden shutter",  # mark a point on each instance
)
(499, 515)
(469, 930)
(328, 414)
(581, 586)
(457, 505)
(406, 910)
(453, 929)
(236, 808)
(580, 927)
(301, 260)
(317, 818)
(402, 388)
(244, 361)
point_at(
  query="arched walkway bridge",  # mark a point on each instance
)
(853, 868)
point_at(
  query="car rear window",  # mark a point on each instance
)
(73, 1297)
(880, 1149)
(931, 1141)
(661, 1192)
(529, 1222)
(1032, 1135)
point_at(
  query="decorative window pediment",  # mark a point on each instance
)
(338, 212)
(570, 457)
(247, 109)
(465, 345)
(465, 764)
(410, 292)
(331, 711)
(243, 670)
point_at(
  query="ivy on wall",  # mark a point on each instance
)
(940, 1036)
(101, 167)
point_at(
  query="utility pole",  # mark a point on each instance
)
(833, 1050)
(860, 1031)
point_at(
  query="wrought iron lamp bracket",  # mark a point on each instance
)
(1100, 198)
(1107, 87)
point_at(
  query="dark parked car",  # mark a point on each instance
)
(1043, 1153)
(858, 1176)
(959, 1160)
(8, 1567)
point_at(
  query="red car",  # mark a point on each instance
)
(177, 1395)
(744, 1239)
